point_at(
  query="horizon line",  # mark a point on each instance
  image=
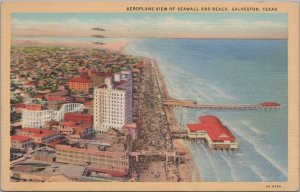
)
(229, 38)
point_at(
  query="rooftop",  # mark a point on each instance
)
(114, 173)
(55, 142)
(130, 126)
(69, 123)
(87, 150)
(214, 128)
(81, 128)
(79, 80)
(102, 86)
(39, 132)
(45, 153)
(31, 83)
(19, 138)
(118, 83)
(89, 103)
(19, 105)
(58, 93)
(79, 114)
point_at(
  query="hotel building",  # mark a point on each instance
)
(113, 163)
(113, 102)
(214, 132)
(79, 84)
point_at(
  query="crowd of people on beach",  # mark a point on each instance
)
(154, 132)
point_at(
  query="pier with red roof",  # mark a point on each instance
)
(213, 131)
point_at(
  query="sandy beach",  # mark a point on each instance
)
(178, 144)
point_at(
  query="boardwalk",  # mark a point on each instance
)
(180, 134)
(172, 155)
(193, 104)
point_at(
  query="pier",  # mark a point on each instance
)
(169, 101)
(184, 135)
(194, 104)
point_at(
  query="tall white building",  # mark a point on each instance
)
(113, 102)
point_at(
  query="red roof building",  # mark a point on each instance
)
(89, 104)
(78, 117)
(79, 80)
(79, 99)
(19, 106)
(20, 142)
(216, 134)
(82, 131)
(33, 107)
(63, 99)
(79, 84)
(19, 138)
(55, 142)
(39, 135)
(30, 84)
(76, 130)
(39, 96)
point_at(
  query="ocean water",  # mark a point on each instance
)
(230, 71)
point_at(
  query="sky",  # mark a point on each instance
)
(152, 25)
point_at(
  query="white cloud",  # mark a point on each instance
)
(148, 27)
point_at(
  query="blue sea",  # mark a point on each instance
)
(230, 71)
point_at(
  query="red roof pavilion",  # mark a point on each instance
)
(214, 128)
(270, 104)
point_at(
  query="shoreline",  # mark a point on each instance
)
(179, 144)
